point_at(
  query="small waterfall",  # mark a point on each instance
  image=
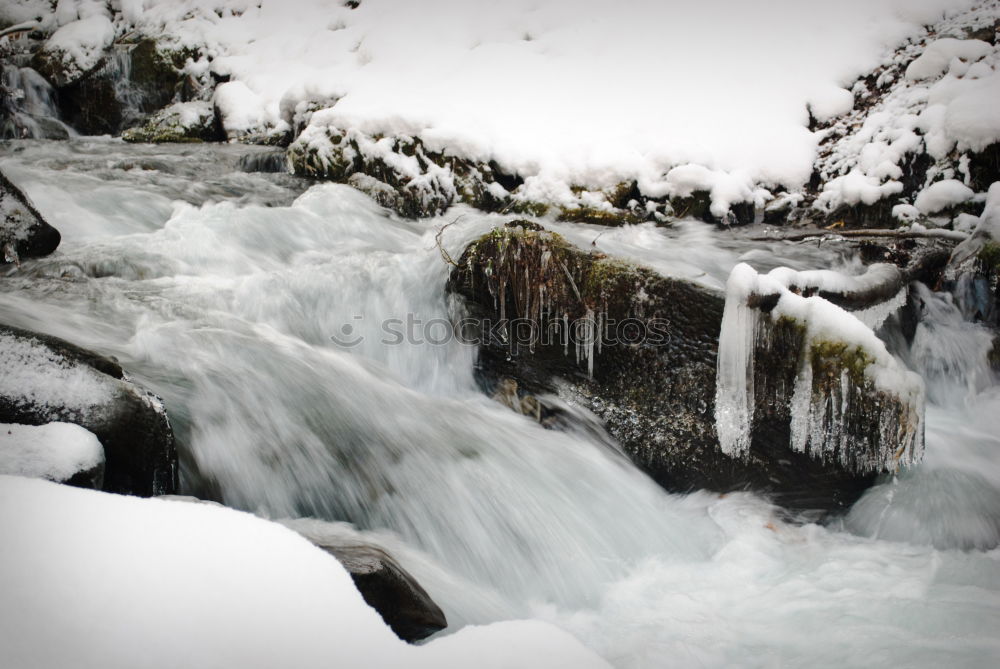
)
(950, 351)
(118, 68)
(272, 162)
(28, 106)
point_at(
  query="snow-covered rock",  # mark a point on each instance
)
(180, 122)
(75, 49)
(60, 452)
(44, 379)
(97, 580)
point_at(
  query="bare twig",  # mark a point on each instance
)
(437, 240)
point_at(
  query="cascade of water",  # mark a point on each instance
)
(28, 106)
(228, 309)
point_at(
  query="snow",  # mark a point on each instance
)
(961, 113)
(55, 451)
(541, 86)
(98, 580)
(80, 45)
(31, 375)
(937, 57)
(933, 96)
(13, 12)
(941, 195)
(855, 187)
(240, 108)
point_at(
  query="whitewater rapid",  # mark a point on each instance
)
(255, 305)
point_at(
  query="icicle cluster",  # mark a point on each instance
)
(734, 376)
(825, 412)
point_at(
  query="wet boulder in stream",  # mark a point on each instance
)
(44, 379)
(810, 413)
(23, 231)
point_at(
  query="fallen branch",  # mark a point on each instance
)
(950, 235)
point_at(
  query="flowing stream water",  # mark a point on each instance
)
(255, 305)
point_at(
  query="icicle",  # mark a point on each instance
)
(734, 378)
(801, 407)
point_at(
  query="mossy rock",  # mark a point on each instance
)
(656, 394)
(181, 122)
(613, 217)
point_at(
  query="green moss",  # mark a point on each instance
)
(610, 278)
(830, 359)
(528, 208)
(989, 257)
(598, 216)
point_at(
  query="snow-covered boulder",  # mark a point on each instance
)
(74, 50)
(60, 452)
(180, 122)
(642, 352)
(97, 580)
(23, 231)
(44, 379)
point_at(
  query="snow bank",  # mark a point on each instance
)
(55, 451)
(562, 91)
(98, 580)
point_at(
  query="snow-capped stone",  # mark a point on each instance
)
(75, 49)
(54, 451)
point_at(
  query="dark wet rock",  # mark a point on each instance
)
(92, 478)
(46, 379)
(23, 231)
(388, 588)
(654, 382)
(129, 83)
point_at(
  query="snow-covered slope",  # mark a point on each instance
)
(92, 579)
(562, 92)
